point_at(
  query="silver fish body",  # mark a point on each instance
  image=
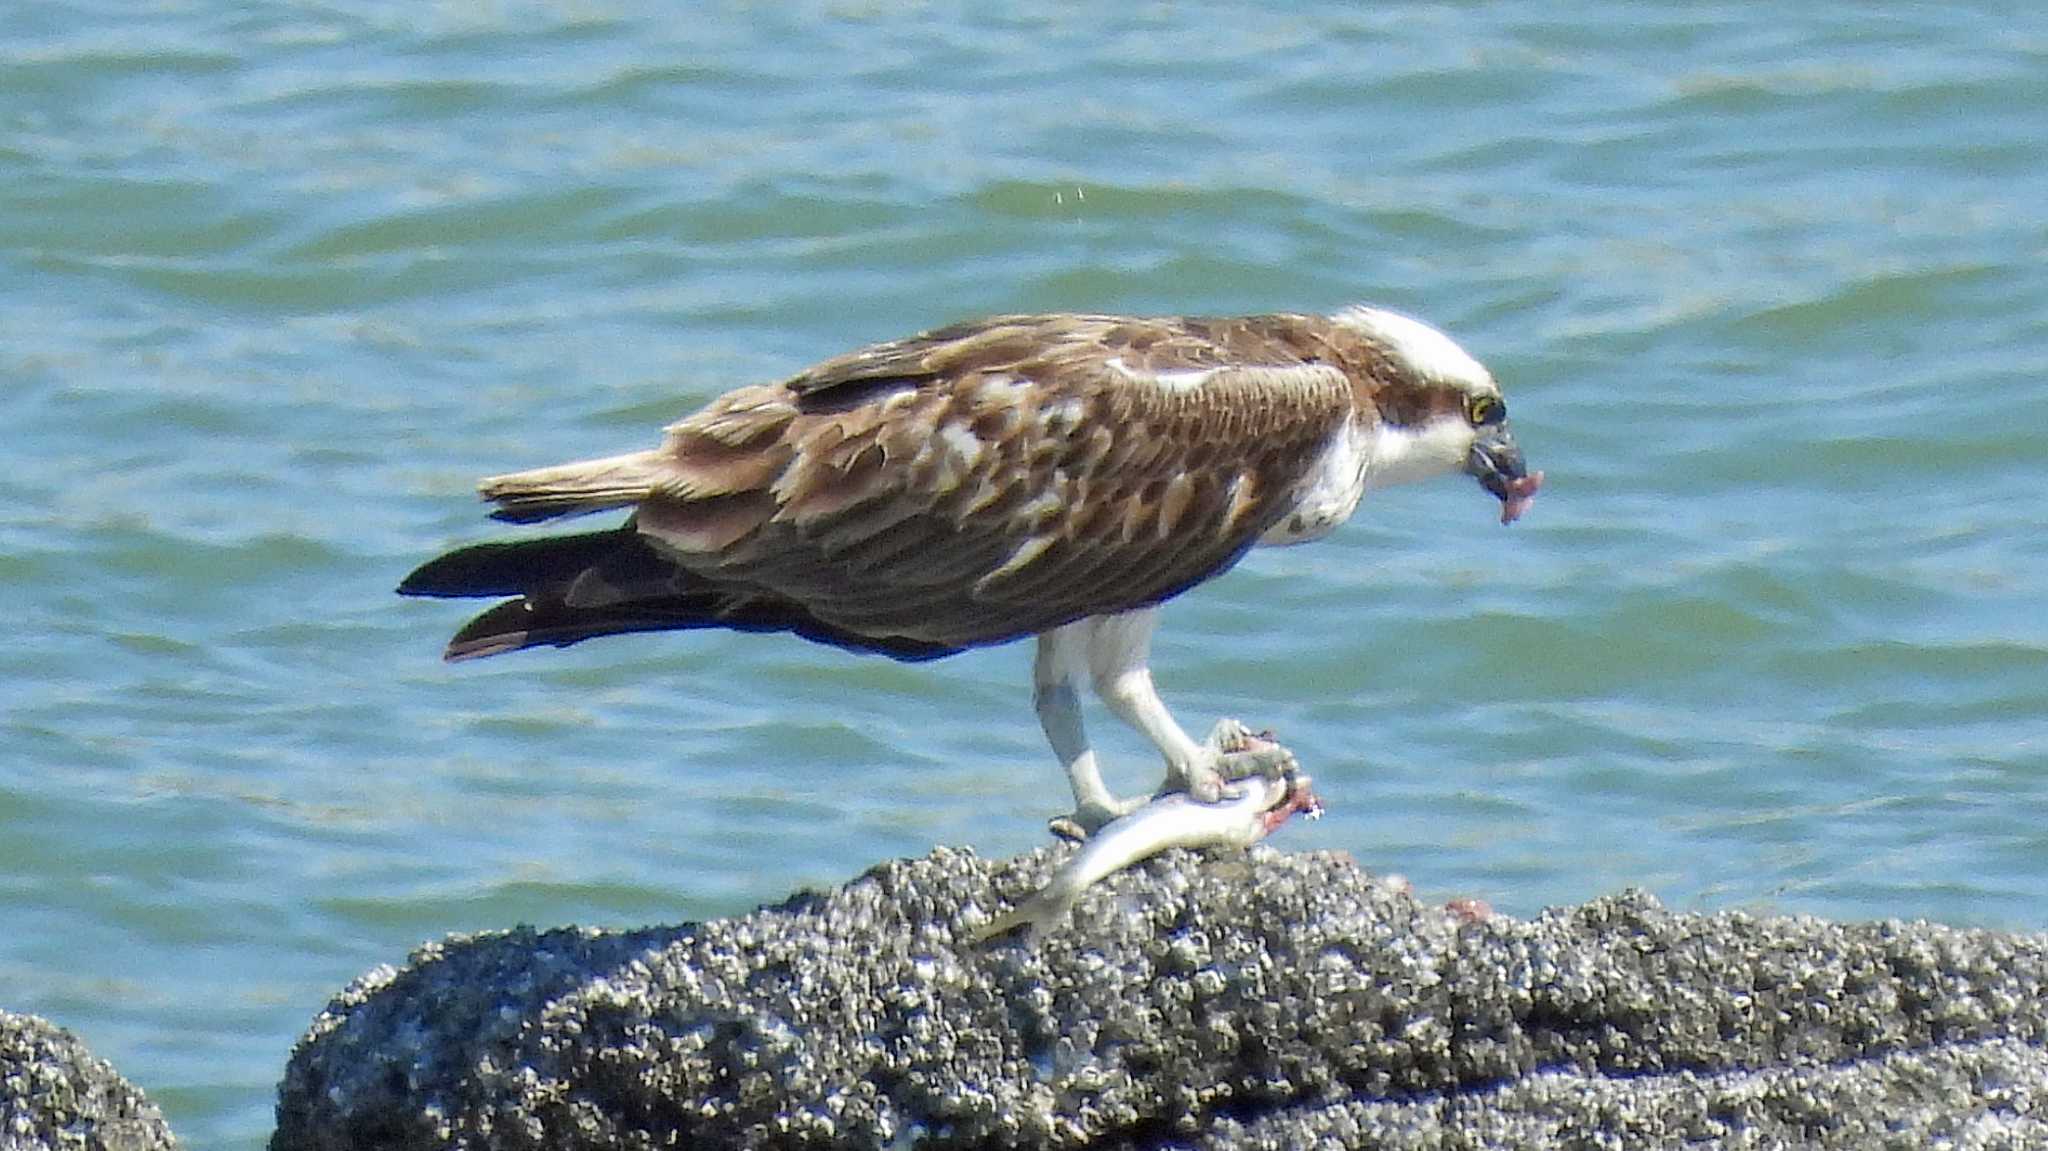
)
(1249, 810)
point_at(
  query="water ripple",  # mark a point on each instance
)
(1766, 288)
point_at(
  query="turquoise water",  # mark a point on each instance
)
(1767, 286)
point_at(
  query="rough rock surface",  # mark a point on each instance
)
(1206, 1000)
(55, 1094)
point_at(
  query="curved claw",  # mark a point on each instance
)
(1262, 759)
(1232, 752)
(1229, 735)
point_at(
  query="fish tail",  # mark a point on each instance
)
(1031, 919)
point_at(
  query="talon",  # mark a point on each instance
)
(1264, 759)
(1227, 736)
(1064, 827)
(1207, 788)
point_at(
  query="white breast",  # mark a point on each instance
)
(1335, 485)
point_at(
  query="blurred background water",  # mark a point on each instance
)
(1767, 286)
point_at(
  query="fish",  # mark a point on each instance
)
(1249, 810)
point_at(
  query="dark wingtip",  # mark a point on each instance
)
(464, 652)
(446, 575)
(503, 627)
(506, 515)
(515, 567)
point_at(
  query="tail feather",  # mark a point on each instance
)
(520, 566)
(548, 621)
(574, 488)
(566, 589)
(527, 621)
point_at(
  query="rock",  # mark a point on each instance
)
(1211, 1000)
(55, 1094)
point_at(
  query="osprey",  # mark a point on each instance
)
(1055, 476)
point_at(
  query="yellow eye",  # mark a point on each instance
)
(1485, 409)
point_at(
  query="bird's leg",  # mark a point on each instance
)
(1062, 654)
(1190, 766)
(1119, 649)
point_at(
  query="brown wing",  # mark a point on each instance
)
(993, 480)
(1042, 345)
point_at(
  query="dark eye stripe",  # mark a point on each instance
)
(1486, 410)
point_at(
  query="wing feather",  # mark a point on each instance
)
(979, 482)
(1008, 477)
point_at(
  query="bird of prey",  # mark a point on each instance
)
(1054, 476)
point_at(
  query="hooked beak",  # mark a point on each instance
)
(1497, 463)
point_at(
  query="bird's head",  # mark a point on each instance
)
(1437, 410)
